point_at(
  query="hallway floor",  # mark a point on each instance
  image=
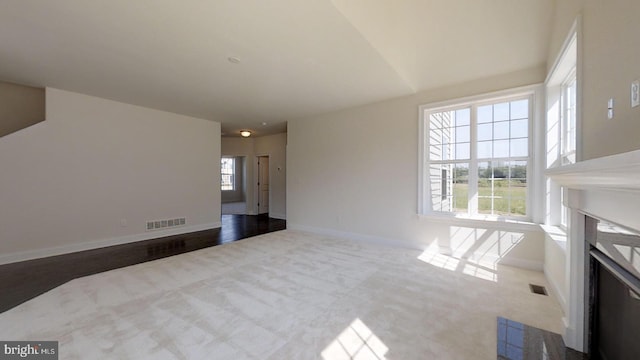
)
(234, 208)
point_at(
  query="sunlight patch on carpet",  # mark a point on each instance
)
(357, 341)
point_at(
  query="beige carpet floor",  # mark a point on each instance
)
(286, 295)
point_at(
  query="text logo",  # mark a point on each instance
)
(31, 350)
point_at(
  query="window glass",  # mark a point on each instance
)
(227, 172)
(499, 135)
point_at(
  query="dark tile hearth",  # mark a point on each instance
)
(517, 341)
(25, 280)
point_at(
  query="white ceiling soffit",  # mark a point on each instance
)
(297, 58)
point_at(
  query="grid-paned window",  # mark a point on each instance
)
(450, 151)
(567, 135)
(227, 171)
(477, 157)
(568, 120)
(562, 123)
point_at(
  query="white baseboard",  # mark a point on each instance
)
(571, 338)
(278, 216)
(522, 263)
(353, 236)
(71, 248)
(555, 290)
(515, 262)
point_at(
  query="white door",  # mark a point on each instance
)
(263, 184)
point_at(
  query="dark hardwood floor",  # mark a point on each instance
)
(25, 280)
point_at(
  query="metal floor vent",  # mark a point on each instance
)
(166, 248)
(538, 289)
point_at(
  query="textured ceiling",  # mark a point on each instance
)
(297, 58)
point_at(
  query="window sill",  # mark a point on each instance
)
(556, 234)
(489, 222)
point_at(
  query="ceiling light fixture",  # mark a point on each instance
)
(233, 60)
(245, 133)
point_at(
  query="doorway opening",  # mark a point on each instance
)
(233, 185)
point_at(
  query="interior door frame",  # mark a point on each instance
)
(256, 192)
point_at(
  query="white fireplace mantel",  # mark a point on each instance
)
(619, 172)
(606, 188)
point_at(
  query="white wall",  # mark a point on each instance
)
(355, 172)
(555, 264)
(20, 107)
(276, 147)
(236, 146)
(610, 53)
(96, 170)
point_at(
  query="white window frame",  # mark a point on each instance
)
(424, 188)
(567, 144)
(568, 137)
(559, 152)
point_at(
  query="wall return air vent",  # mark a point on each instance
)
(163, 224)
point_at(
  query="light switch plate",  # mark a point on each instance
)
(635, 93)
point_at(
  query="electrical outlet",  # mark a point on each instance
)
(635, 93)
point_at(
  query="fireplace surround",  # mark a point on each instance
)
(613, 292)
(604, 202)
